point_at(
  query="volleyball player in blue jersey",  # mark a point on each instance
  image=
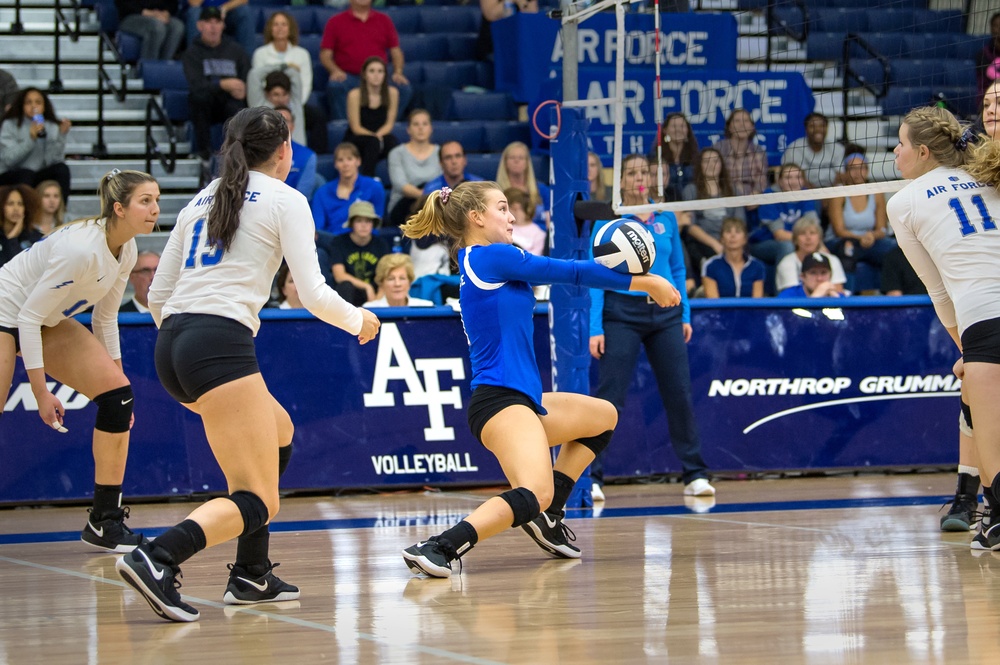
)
(508, 411)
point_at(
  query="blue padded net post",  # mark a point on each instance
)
(569, 306)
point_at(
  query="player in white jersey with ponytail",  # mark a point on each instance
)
(82, 264)
(946, 224)
(214, 277)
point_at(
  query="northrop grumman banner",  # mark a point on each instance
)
(774, 388)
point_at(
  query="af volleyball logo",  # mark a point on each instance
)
(625, 246)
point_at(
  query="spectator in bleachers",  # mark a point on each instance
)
(286, 286)
(52, 212)
(773, 239)
(818, 158)
(527, 235)
(302, 175)
(393, 277)
(807, 237)
(595, 176)
(858, 224)
(679, 152)
(814, 280)
(18, 210)
(240, 20)
(494, 10)
(746, 162)
(156, 23)
(988, 60)
(281, 51)
(33, 142)
(355, 254)
(711, 181)
(141, 278)
(8, 90)
(453, 163)
(216, 70)
(516, 170)
(733, 273)
(331, 202)
(279, 90)
(350, 38)
(411, 166)
(371, 114)
(898, 276)
(991, 111)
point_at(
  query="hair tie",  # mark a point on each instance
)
(965, 139)
(445, 194)
(113, 173)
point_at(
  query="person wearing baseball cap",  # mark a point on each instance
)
(354, 255)
(239, 19)
(815, 279)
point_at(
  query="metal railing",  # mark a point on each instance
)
(169, 160)
(17, 27)
(106, 84)
(72, 26)
(850, 73)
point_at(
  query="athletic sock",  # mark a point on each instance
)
(107, 499)
(181, 542)
(562, 488)
(462, 537)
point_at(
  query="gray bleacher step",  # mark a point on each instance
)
(42, 19)
(89, 170)
(80, 85)
(782, 49)
(818, 75)
(30, 48)
(73, 102)
(831, 103)
(45, 71)
(110, 114)
(82, 205)
(127, 149)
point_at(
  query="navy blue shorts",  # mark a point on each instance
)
(198, 352)
(981, 342)
(488, 401)
(13, 332)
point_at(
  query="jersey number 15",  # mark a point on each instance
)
(202, 251)
(963, 218)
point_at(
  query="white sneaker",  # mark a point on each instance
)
(699, 487)
(596, 493)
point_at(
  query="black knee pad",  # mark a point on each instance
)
(967, 418)
(114, 410)
(284, 456)
(252, 508)
(524, 503)
(597, 443)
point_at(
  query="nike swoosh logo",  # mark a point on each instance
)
(99, 532)
(259, 587)
(157, 572)
(551, 523)
(126, 401)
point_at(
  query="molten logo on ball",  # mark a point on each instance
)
(625, 246)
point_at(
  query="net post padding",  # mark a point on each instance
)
(569, 306)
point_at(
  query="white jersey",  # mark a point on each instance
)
(946, 224)
(194, 277)
(62, 275)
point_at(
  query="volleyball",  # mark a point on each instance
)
(625, 246)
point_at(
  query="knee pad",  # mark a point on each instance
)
(284, 455)
(114, 410)
(597, 443)
(965, 420)
(524, 503)
(252, 509)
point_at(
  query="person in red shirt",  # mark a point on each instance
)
(350, 38)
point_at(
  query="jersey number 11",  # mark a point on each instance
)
(963, 218)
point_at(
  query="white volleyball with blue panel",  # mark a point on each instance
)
(625, 246)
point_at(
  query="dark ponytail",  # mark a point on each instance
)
(252, 137)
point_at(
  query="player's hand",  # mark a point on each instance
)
(51, 411)
(659, 289)
(369, 326)
(688, 332)
(597, 346)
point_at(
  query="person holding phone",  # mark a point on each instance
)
(33, 142)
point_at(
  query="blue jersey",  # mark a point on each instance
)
(498, 305)
(732, 284)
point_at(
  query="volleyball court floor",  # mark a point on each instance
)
(841, 569)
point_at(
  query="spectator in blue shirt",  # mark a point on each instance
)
(303, 174)
(815, 282)
(733, 273)
(453, 163)
(773, 239)
(331, 202)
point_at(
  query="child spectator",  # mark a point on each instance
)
(354, 255)
(527, 235)
(815, 280)
(733, 273)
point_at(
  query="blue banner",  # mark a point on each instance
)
(803, 385)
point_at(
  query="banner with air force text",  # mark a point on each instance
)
(774, 388)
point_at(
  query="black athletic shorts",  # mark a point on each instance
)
(981, 342)
(13, 332)
(488, 401)
(197, 352)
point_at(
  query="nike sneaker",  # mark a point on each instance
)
(110, 533)
(553, 536)
(431, 557)
(245, 588)
(157, 581)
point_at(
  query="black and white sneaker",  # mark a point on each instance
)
(111, 534)
(979, 541)
(430, 557)
(245, 588)
(158, 582)
(553, 536)
(962, 513)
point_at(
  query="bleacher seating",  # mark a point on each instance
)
(481, 106)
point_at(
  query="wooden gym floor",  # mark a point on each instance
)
(802, 570)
